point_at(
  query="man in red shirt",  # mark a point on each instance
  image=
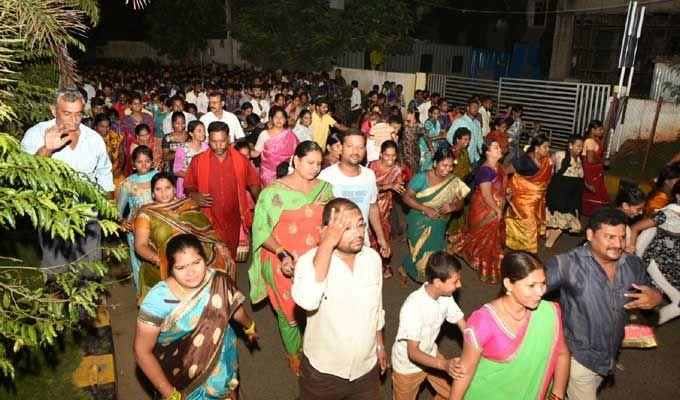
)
(218, 179)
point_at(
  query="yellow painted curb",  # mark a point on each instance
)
(95, 370)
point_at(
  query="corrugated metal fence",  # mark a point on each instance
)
(562, 107)
(662, 75)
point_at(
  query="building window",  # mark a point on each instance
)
(426, 63)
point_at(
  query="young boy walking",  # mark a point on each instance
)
(414, 354)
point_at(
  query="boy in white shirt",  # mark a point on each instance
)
(414, 354)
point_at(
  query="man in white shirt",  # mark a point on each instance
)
(177, 105)
(65, 138)
(218, 113)
(260, 105)
(339, 284)
(485, 112)
(415, 356)
(198, 97)
(355, 103)
(353, 181)
(425, 107)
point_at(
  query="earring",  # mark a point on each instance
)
(507, 293)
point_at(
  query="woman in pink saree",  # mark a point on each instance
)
(275, 145)
(514, 347)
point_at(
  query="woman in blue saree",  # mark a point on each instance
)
(432, 195)
(134, 192)
(184, 342)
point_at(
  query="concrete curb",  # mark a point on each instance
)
(96, 374)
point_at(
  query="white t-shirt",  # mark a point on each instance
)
(235, 128)
(260, 109)
(361, 189)
(167, 122)
(420, 319)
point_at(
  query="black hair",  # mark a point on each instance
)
(139, 150)
(193, 124)
(675, 192)
(517, 265)
(352, 132)
(163, 175)
(630, 194)
(218, 126)
(179, 244)
(499, 121)
(99, 118)
(113, 114)
(671, 171)
(388, 144)
(303, 113)
(140, 128)
(442, 154)
(253, 120)
(282, 169)
(594, 124)
(537, 141)
(176, 115)
(246, 106)
(460, 133)
(274, 110)
(355, 84)
(134, 96)
(607, 215)
(306, 147)
(573, 138)
(441, 265)
(431, 110)
(241, 144)
(396, 119)
(338, 204)
(332, 139)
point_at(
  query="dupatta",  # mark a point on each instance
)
(194, 355)
(272, 202)
(525, 369)
(276, 150)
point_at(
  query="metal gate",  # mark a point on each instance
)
(562, 107)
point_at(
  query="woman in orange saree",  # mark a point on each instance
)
(481, 240)
(525, 218)
(389, 175)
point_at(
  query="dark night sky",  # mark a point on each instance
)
(118, 22)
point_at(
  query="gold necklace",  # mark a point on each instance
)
(511, 314)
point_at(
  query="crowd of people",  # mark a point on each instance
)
(212, 168)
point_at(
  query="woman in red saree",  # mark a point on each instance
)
(390, 176)
(481, 240)
(525, 219)
(275, 145)
(593, 169)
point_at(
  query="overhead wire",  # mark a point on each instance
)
(516, 12)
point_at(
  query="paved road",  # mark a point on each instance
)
(648, 374)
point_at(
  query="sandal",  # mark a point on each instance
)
(294, 363)
(387, 272)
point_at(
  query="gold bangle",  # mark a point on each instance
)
(174, 396)
(250, 331)
(278, 250)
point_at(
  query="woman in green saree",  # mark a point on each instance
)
(514, 347)
(432, 195)
(158, 222)
(286, 225)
